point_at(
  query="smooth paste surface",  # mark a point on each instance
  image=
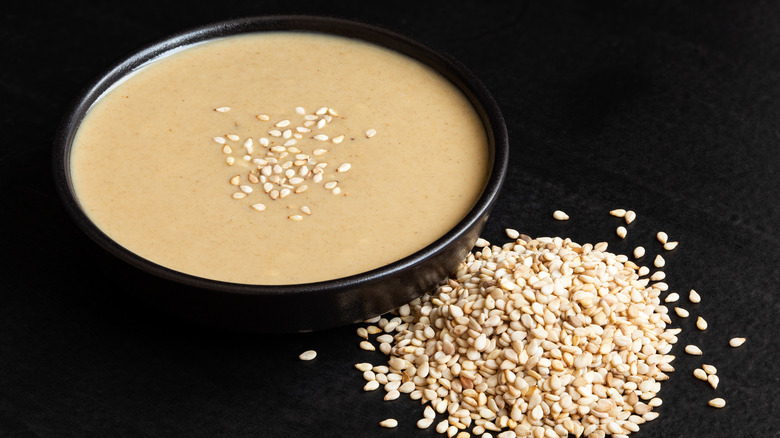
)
(147, 171)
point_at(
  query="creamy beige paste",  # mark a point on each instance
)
(150, 168)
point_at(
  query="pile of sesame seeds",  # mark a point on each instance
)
(538, 337)
(286, 159)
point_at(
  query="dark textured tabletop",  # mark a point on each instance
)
(670, 109)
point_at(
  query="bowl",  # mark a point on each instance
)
(296, 307)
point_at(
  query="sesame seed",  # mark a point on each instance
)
(672, 297)
(621, 232)
(235, 180)
(511, 233)
(619, 212)
(321, 123)
(220, 140)
(222, 109)
(424, 423)
(700, 374)
(344, 167)
(736, 342)
(701, 323)
(630, 216)
(639, 252)
(239, 195)
(296, 217)
(389, 423)
(263, 117)
(368, 346)
(263, 141)
(694, 297)
(321, 111)
(670, 245)
(330, 184)
(275, 133)
(226, 150)
(308, 355)
(320, 152)
(709, 369)
(321, 137)
(481, 243)
(560, 215)
(245, 189)
(659, 261)
(300, 110)
(258, 207)
(682, 313)
(282, 123)
(230, 161)
(301, 188)
(336, 190)
(371, 132)
(233, 137)
(717, 403)
(337, 139)
(693, 350)
(371, 386)
(662, 237)
(306, 210)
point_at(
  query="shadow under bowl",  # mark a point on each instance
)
(298, 307)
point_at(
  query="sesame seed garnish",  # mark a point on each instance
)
(630, 216)
(263, 141)
(236, 180)
(239, 195)
(222, 109)
(709, 369)
(344, 167)
(338, 139)
(301, 188)
(263, 117)
(701, 323)
(659, 261)
(618, 212)
(308, 355)
(512, 233)
(371, 132)
(717, 403)
(253, 178)
(227, 149)
(246, 189)
(621, 232)
(275, 133)
(560, 215)
(233, 137)
(682, 313)
(287, 133)
(700, 374)
(300, 110)
(336, 190)
(258, 206)
(736, 342)
(670, 245)
(230, 161)
(321, 137)
(321, 123)
(662, 237)
(693, 350)
(220, 140)
(321, 111)
(330, 184)
(305, 209)
(296, 217)
(368, 346)
(639, 252)
(319, 152)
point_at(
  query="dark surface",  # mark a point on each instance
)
(668, 109)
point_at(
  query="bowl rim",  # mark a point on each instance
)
(444, 64)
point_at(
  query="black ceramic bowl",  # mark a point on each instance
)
(299, 307)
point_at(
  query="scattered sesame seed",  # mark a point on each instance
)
(305, 209)
(300, 110)
(336, 190)
(368, 346)
(263, 117)
(246, 189)
(481, 243)
(275, 133)
(226, 150)
(709, 369)
(371, 132)
(321, 137)
(222, 109)
(371, 386)
(389, 423)
(321, 111)
(701, 323)
(700, 374)
(308, 355)
(717, 403)
(233, 137)
(621, 232)
(344, 167)
(693, 350)
(639, 252)
(672, 297)
(659, 261)
(560, 215)
(424, 423)
(658, 276)
(511, 233)
(694, 296)
(258, 207)
(296, 217)
(670, 245)
(662, 237)
(736, 342)
(619, 212)
(239, 195)
(337, 139)
(630, 216)
(230, 161)
(682, 313)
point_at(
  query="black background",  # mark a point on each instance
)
(667, 108)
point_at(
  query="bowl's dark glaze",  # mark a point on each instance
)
(298, 307)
